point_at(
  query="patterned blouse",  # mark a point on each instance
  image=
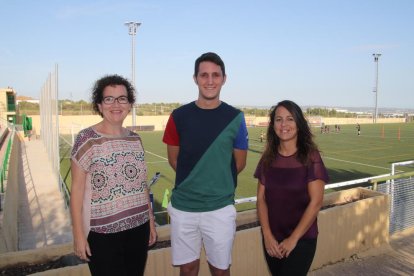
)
(115, 196)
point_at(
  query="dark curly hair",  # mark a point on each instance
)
(110, 80)
(305, 143)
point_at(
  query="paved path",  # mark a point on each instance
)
(43, 218)
(396, 259)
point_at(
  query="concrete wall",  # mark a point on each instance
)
(344, 231)
(262, 121)
(69, 124)
(355, 227)
(354, 121)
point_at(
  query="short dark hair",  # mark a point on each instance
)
(212, 57)
(110, 80)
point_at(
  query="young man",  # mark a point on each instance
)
(207, 147)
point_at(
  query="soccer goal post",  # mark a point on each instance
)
(315, 121)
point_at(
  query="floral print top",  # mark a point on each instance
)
(115, 196)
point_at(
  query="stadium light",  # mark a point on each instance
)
(376, 60)
(132, 29)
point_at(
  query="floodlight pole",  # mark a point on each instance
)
(376, 60)
(132, 29)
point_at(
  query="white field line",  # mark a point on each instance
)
(258, 145)
(157, 162)
(64, 139)
(356, 163)
(162, 157)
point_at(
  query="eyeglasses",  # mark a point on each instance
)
(111, 100)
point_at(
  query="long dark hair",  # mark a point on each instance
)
(305, 143)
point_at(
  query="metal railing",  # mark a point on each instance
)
(400, 188)
(64, 189)
(5, 161)
(64, 168)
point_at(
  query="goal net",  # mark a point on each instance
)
(401, 195)
(315, 121)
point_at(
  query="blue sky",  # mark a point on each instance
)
(312, 52)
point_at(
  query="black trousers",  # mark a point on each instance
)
(298, 262)
(123, 253)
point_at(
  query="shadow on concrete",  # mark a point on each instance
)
(43, 217)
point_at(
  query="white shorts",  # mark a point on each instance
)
(215, 229)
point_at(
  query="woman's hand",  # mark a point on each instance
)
(315, 190)
(270, 243)
(81, 248)
(153, 232)
(272, 247)
(287, 246)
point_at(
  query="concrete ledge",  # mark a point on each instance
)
(34, 256)
(78, 270)
(352, 229)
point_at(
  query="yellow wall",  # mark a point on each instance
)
(67, 124)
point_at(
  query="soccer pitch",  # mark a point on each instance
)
(346, 155)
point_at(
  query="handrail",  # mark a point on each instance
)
(64, 189)
(391, 177)
(3, 167)
(354, 182)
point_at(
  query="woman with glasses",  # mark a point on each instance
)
(112, 220)
(291, 177)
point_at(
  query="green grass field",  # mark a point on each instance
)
(346, 155)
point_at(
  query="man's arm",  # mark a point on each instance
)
(172, 152)
(240, 158)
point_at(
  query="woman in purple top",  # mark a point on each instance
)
(291, 177)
